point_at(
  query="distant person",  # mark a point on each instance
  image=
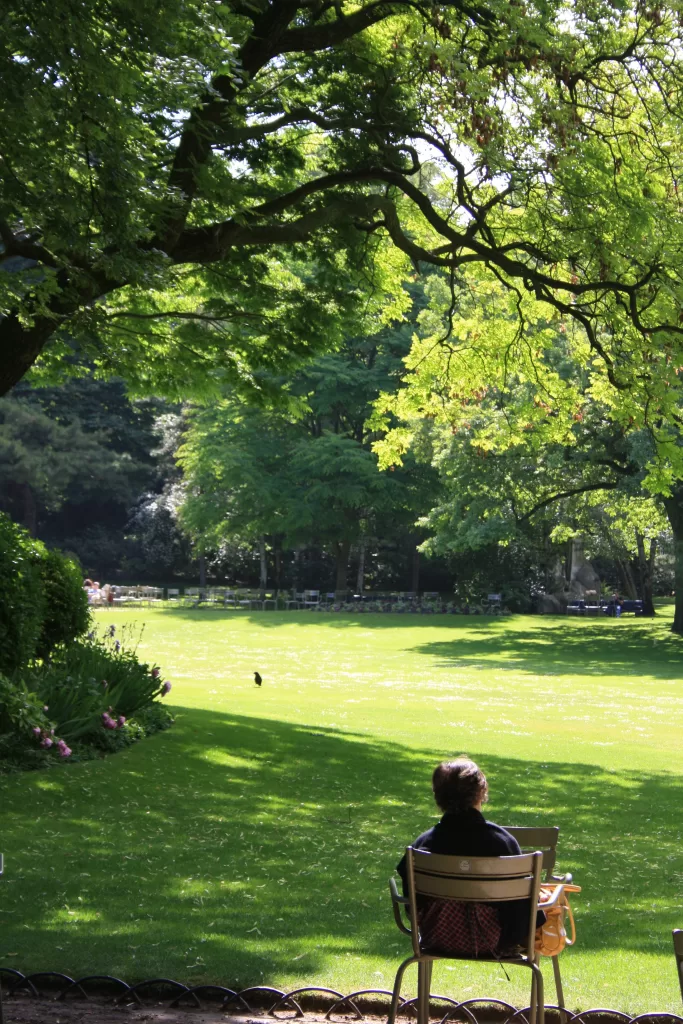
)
(460, 790)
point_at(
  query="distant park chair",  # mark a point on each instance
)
(544, 839)
(467, 880)
(311, 599)
(677, 935)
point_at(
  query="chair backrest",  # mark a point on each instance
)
(474, 880)
(543, 839)
(678, 953)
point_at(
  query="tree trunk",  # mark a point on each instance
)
(645, 567)
(202, 571)
(360, 579)
(296, 569)
(278, 565)
(341, 551)
(415, 571)
(263, 576)
(674, 511)
(626, 573)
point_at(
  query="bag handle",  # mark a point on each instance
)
(570, 942)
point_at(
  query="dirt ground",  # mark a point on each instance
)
(93, 1011)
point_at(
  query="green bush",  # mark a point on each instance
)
(66, 614)
(21, 595)
(42, 601)
(96, 683)
(26, 733)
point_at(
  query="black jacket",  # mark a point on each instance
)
(468, 833)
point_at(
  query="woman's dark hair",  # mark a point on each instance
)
(459, 784)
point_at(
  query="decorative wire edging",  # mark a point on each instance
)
(275, 1002)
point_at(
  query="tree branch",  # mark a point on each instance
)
(604, 485)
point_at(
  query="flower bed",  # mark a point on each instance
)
(90, 697)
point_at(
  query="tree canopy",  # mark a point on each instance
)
(193, 192)
(303, 472)
(530, 437)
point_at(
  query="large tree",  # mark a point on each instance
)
(303, 472)
(529, 433)
(159, 159)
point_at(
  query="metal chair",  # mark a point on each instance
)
(467, 880)
(311, 598)
(544, 839)
(677, 936)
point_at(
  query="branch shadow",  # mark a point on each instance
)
(609, 648)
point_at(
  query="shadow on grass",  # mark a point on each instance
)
(607, 648)
(339, 620)
(536, 645)
(241, 849)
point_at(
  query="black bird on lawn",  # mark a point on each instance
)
(257, 679)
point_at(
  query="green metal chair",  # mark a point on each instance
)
(468, 880)
(677, 935)
(544, 839)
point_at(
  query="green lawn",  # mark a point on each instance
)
(253, 841)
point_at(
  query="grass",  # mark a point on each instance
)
(252, 842)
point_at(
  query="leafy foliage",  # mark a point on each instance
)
(22, 603)
(530, 447)
(95, 677)
(65, 615)
(94, 693)
(303, 470)
(194, 194)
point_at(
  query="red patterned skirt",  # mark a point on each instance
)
(470, 929)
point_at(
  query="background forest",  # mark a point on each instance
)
(286, 491)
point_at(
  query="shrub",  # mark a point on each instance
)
(96, 683)
(66, 614)
(42, 601)
(26, 733)
(21, 595)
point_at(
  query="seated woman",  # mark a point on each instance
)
(447, 926)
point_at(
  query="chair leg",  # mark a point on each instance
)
(393, 1009)
(537, 1012)
(424, 982)
(558, 989)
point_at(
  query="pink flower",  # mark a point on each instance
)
(36, 730)
(45, 707)
(107, 721)
(155, 673)
(46, 743)
(121, 721)
(64, 751)
(166, 688)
